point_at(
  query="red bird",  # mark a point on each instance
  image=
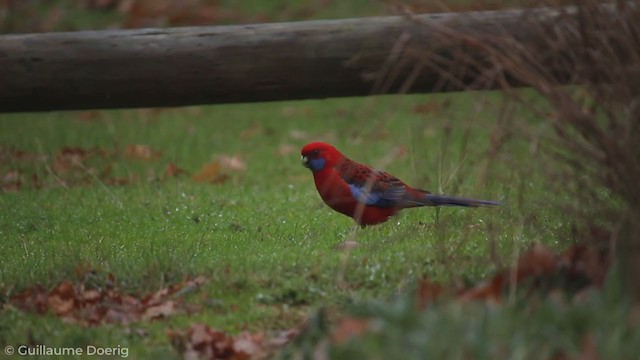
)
(368, 196)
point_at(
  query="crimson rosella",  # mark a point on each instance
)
(368, 196)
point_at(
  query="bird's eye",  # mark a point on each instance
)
(315, 153)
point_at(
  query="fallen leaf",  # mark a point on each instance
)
(578, 267)
(190, 286)
(91, 296)
(173, 170)
(62, 299)
(349, 328)
(98, 306)
(253, 130)
(11, 181)
(428, 292)
(141, 152)
(233, 163)
(200, 341)
(249, 346)
(429, 107)
(284, 337)
(69, 158)
(539, 260)
(490, 290)
(216, 172)
(162, 310)
(117, 181)
(33, 299)
(210, 173)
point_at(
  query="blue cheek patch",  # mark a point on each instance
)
(317, 164)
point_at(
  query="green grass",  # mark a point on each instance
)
(264, 239)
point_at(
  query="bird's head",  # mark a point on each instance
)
(318, 156)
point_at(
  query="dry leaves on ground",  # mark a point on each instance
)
(78, 166)
(73, 302)
(576, 270)
(142, 152)
(203, 342)
(218, 171)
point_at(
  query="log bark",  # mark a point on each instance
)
(251, 63)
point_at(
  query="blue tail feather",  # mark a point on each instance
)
(444, 200)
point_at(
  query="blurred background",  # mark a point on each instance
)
(21, 16)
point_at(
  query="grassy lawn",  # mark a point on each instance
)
(273, 255)
(264, 240)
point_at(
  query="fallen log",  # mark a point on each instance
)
(251, 63)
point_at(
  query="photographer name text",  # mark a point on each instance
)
(89, 350)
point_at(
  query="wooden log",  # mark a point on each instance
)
(247, 63)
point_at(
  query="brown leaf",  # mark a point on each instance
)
(33, 299)
(253, 130)
(428, 292)
(539, 260)
(233, 163)
(211, 343)
(250, 346)
(162, 310)
(62, 299)
(573, 266)
(490, 290)
(117, 181)
(349, 328)
(11, 181)
(157, 297)
(97, 306)
(91, 296)
(115, 315)
(141, 152)
(284, 337)
(69, 158)
(173, 170)
(428, 107)
(216, 171)
(202, 342)
(9, 155)
(189, 286)
(210, 173)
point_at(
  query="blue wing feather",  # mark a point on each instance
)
(374, 198)
(373, 187)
